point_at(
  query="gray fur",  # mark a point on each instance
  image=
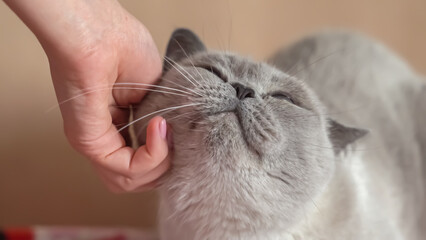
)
(263, 167)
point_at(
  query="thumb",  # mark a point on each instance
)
(156, 149)
(133, 164)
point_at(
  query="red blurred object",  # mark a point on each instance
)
(74, 233)
(18, 234)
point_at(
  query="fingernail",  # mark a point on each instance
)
(163, 129)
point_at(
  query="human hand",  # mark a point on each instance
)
(92, 47)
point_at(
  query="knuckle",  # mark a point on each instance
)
(128, 185)
(132, 174)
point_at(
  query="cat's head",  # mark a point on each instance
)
(251, 143)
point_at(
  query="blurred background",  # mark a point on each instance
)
(43, 181)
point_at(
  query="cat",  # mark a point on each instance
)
(326, 140)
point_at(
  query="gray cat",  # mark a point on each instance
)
(327, 141)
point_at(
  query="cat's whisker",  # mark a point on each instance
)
(119, 124)
(153, 85)
(167, 119)
(159, 111)
(146, 124)
(230, 26)
(185, 115)
(173, 65)
(191, 130)
(141, 84)
(148, 89)
(202, 122)
(179, 85)
(192, 63)
(170, 60)
(181, 115)
(221, 45)
(111, 88)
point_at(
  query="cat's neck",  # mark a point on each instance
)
(220, 218)
(336, 203)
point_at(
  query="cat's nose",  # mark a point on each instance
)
(243, 91)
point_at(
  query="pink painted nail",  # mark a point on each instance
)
(163, 129)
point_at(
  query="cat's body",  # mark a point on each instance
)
(258, 156)
(378, 191)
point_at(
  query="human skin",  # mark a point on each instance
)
(92, 45)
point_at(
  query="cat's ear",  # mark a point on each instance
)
(182, 44)
(341, 136)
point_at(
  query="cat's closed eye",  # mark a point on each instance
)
(283, 96)
(215, 71)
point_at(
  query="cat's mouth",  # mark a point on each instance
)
(252, 136)
(248, 121)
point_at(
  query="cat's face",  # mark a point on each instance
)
(249, 141)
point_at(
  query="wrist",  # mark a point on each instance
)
(69, 27)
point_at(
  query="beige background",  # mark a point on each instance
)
(43, 181)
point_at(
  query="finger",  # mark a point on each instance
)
(155, 150)
(119, 183)
(128, 162)
(107, 178)
(149, 181)
(140, 64)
